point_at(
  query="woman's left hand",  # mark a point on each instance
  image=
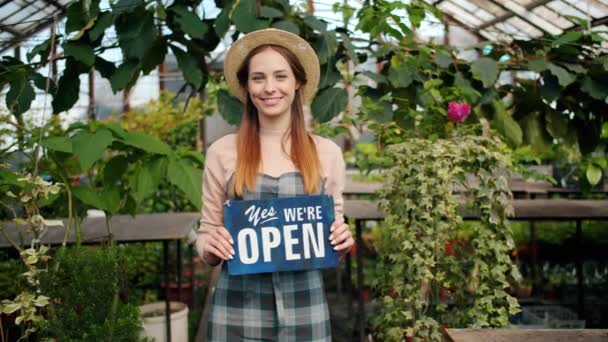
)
(340, 237)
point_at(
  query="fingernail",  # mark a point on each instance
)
(232, 251)
(336, 248)
(332, 229)
(231, 257)
(331, 236)
(231, 241)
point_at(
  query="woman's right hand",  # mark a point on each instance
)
(217, 245)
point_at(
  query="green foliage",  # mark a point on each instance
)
(87, 305)
(422, 212)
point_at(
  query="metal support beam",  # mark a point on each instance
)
(38, 28)
(510, 14)
(56, 4)
(520, 11)
(594, 23)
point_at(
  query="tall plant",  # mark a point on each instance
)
(422, 211)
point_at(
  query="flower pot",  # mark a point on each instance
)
(153, 318)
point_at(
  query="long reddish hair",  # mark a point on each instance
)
(303, 150)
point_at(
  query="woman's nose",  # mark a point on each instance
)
(269, 86)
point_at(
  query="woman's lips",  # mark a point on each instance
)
(271, 101)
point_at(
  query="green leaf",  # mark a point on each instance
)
(87, 196)
(550, 90)
(222, 22)
(105, 68)
(288, 26)
(126, 6)
(350, 48)
(189, 22)
(270, 12)
(104, 21)
(89, 147)
(146, 142)
(315, 23)
(485, 70)
(400, 75)
(82, 52)
(245, 17)
(61, 144)
(325, 46)
(117, 129)
(329, 75)
(538, 65)
(597, 90)
(564, 77)
(415, 14)
(114, 170)
(155, 56)
(110, 200)
(189, 66)
(558, 127)
(504, 123)
(124, 75)
(136, 33)
(187, 178)
(19, 98)
(144, 184)
(378, 78)
(567, 38)
(43, 49)
(443, 59)
(605, 130)
(68, 90)
(40, 83)
(329, 103)
(594, 174)
(229, 107)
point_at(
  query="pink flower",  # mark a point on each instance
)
(458, 112)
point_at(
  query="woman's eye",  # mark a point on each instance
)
(281, 77)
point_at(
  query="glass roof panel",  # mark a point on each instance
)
(525, 27)
(559, 21)
(460, 14)
(592, 8)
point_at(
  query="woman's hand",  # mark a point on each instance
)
(217, 245)
(340, 237)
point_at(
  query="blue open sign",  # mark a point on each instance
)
(280, 234)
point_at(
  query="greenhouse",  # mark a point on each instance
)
(304, 170)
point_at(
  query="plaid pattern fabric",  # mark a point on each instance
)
(281, 306)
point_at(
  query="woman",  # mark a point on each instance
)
(272, 72)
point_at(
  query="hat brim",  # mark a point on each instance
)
(298, 46)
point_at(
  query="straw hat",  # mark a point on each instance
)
(303, 51)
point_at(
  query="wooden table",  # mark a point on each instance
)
(525, 210)
(527, 335)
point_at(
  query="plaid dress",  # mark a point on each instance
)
(281, 306)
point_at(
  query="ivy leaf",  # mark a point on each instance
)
(594, 174)
(229, 107)
(288, 26)
(187, 178)
(245, 17)
(43, 49)
(104, 21)
(189, 22)
(329, 103)
(19, 98)
(188, 64)
(145, 142)
(595, 89)
(60, 144)
(270, 12)
(89, 147)
(564, 77)
(81, 52)
(485, 70)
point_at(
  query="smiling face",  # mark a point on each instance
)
(271, 84)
